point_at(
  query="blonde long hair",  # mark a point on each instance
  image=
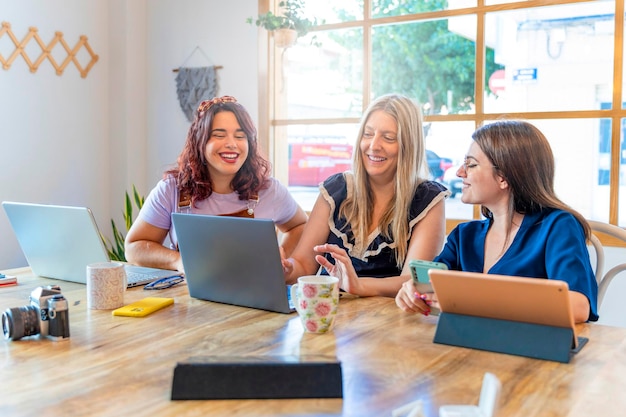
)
(410, 172)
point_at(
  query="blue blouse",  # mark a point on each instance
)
(378, 258)
(550, 244)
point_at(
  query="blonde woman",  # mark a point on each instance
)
(367, 224)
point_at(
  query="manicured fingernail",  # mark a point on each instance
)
(416, 295)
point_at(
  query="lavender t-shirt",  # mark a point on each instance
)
(275, 203)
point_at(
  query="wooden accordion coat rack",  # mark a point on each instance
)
(46, 51)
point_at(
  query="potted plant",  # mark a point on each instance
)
(286, 26)
(116, 248)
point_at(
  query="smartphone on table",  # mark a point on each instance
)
(419, 273)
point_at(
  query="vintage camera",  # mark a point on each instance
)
(46, 315)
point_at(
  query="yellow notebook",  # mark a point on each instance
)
(143, 307)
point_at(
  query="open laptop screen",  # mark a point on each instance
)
(60, 241)
(232, 260)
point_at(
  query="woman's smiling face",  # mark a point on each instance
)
(227, 147)
(379, 146)
(481, 182)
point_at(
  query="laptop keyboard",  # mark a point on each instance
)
(135, 277)
(291, 304)
(140, 275)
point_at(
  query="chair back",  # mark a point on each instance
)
(604, 279)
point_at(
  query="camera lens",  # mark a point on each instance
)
(19, 322)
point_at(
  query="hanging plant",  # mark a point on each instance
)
(287, 26)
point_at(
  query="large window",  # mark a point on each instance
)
(558, 65)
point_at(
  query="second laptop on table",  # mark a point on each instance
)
(60, 241)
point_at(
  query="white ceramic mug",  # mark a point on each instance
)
(106, 284)
(316, 298)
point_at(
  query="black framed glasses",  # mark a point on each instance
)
(164, 283)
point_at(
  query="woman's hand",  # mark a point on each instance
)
(409, 300)
(287, 265)
(179, 264)
(342, 268)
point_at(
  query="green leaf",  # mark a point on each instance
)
(291, 16)
(115, 249)
(118, 248)
(139, 200)
(128, 212)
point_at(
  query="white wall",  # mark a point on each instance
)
(83, 141)
(219, 29)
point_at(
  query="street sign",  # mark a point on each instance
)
(497, 82)
(525, 75)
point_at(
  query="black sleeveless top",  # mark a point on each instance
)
(378, 259)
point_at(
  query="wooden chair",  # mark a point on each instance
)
(604, 279)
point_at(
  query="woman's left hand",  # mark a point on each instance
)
(342, 268)
(409, 300)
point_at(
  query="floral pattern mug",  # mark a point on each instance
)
(316, 298)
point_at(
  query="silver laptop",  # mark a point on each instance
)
(60, 241)
(232, 260)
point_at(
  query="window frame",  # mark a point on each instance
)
(270, 76)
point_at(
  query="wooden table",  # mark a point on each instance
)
(120, 366)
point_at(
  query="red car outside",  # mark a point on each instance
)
(310, 164)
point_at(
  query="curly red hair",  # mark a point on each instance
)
(192, 176)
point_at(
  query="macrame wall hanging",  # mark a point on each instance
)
(194, 84)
